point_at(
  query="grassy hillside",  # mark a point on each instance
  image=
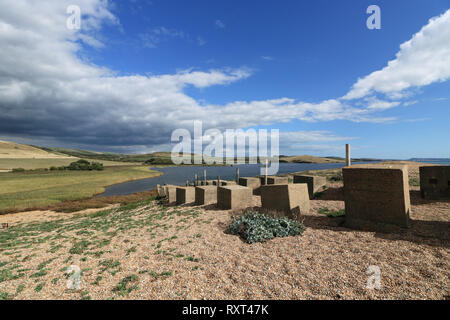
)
(309, 159)
(15, 155)
(34, 189)
(156, 158)
(13, 150)
(312, 159)
(31, 164)
(110, 156)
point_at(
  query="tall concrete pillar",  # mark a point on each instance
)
(348, 161)
(265, 172)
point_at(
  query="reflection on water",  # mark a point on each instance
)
(179, 175)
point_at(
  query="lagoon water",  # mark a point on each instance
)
(179, 175)
(438, 161)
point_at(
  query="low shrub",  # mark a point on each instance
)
(332, 214)
(336, 177)
(255, 227)
(18, 170)
(97, 166)
(155, 161)
(337, 214)
(85, 165)
(414, 181)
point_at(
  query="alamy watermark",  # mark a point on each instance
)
(374, 20)
(73, 22)
(74, 280)
(232, 146)
(374, 280)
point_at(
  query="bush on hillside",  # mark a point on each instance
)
(255, 227)
(97, 166)
(154, 161)
(85, 165)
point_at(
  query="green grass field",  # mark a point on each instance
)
(28, 164)
(34, 189)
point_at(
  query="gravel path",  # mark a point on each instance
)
(158, 252)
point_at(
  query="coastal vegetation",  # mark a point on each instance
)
(29, 189)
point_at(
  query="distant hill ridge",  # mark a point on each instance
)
(15, 150)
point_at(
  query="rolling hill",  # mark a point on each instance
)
(309, 159)
(11, 150)
(16, 155)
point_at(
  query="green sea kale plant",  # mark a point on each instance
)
(255, 227)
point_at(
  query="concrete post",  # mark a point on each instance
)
(218, 180)
(195, 180)
(204, 176)
(348, 161)
(265, 172)
(237, 175)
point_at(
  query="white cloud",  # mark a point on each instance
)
(155, 36)
(417, 120)
(422, 60)
(375, 104)
(219, 24)
(47, 90)
(410, 103)
(200, 41)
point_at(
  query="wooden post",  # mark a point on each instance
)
(265, 171)
(237, 175)
(348, 160)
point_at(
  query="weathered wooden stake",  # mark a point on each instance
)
(348, 160)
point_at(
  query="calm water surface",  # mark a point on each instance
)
(179, 175)
(438, 161)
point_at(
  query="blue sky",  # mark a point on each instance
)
(308, 51)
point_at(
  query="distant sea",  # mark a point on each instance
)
(440, 161)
